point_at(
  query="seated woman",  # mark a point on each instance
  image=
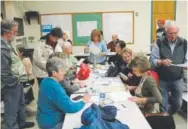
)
(69, 83)
(147, 92)
(69, 60)
(117, 59)
(27, 80)
(70, 86)
(131, 79)
(53, 102)
(97, 43)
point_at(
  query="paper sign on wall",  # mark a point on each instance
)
(85, 28)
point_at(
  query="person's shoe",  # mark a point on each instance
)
(27, 125)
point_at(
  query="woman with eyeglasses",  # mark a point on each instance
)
(147, 92)
(130, 78)
(117, 59)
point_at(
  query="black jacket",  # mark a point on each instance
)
(116, 59)
(160, 32)
(134, 80)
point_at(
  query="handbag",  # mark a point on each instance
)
(112, 71)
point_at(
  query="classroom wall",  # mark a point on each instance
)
(142, 31)
(181, 18)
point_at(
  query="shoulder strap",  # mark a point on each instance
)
(184, 42)
(185, 46)
(158, 42)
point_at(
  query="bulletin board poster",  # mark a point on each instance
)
(83, 24)
(46, 29)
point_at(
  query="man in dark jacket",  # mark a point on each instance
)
(112, 44)
(169, 50)
(11, 88)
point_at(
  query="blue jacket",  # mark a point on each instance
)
(53, 103)
(95, 117)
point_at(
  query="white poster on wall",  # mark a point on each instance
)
(63, 21)
(85, 28)
(120, 24)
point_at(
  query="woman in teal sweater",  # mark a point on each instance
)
(53, 102)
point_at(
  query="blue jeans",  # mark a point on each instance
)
(176, 90)
(14, 114)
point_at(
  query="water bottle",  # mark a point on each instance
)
(101, 98)
(94, 63)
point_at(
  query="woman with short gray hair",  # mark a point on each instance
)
(147, 93)
(53, 102)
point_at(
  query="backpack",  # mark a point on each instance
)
(154, 75)
(96, 117)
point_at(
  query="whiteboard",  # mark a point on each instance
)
(121, 24)
(62, 20)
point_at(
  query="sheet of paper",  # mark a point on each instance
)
(85, 28)
(102, 82)
(94, 49)
(179, 65)
(119, 96)
(80, 61)
(94, 98)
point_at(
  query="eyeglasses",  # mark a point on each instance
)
(14, 32)
(173, 33)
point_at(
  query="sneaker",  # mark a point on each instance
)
(27, 125)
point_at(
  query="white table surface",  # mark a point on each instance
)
(131, 116)
(87, 54)
(99, 81)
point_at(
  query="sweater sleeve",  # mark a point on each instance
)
(68, 87)
(153, 91)
(64, 103)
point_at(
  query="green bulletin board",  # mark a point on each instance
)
(83, 18)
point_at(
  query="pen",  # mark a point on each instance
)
(124, 106)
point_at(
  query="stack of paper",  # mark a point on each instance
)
(180, 65)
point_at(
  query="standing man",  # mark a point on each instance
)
(11, 88)
(46, 46)
(161, 30)
(168, 50)
(112, 44)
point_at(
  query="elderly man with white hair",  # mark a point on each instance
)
(169, 50)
